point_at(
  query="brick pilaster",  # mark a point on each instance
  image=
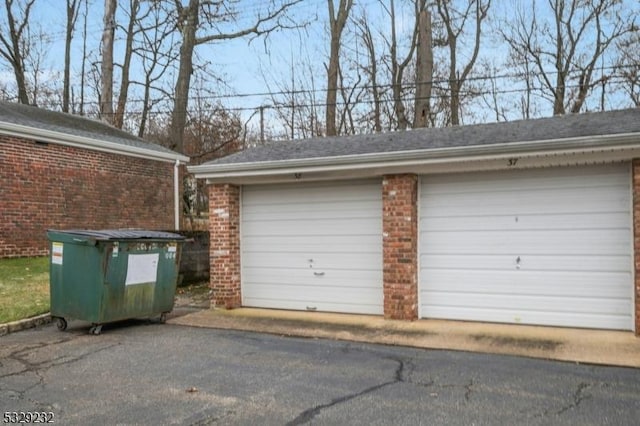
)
(224, 230)
(636, 240)
(400, 246)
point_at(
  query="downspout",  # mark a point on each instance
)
(176, 194)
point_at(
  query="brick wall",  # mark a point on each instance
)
(54, 186)
(224, 230)
(400, 246)
(636, 239)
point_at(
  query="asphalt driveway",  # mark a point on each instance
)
(136, 373)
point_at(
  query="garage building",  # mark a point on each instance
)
(526, 222)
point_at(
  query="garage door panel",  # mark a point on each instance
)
(303, 278)
(492, 182)
(309, 193)
(314, 297)
(530, 283)
(315, 294)
(520, 204)
(539, 317)
(316, 211)
(333, 306)
(475, 262)
(310, 227)
(319, 243)
(611, 220)
(552, 243)
(579, 242)
(497, 302)
(313, 246)
(324, 268)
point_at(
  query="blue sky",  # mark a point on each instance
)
(242, 65)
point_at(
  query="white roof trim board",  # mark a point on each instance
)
(616, 133)
(71, 130)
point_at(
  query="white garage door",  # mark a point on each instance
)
(543, 246)
(315, 246)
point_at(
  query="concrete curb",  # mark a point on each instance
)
(601, 347)
(12, 327)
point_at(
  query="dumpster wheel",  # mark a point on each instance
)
(163, 318)
(61, 323)
(95, 329)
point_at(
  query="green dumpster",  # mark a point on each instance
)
(102, 276)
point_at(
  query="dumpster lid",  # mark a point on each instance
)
(123, 234)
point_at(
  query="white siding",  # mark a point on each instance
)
(543, 246)
(313, 246)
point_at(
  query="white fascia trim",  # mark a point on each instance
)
(420, 157)
(27, 132)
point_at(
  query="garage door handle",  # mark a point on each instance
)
(318, 274)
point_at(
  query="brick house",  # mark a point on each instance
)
(527, 222)
(65, 171)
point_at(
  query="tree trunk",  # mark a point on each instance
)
(189, 22)
(106, 96)
(84, 57)
(457, 80)
(126, 65)
(397, 67)
(424, 72)
(336, 26)
(454, 83)
(14, 47)
(372, 70)
(73, 6)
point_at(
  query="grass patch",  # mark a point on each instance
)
(24, 288)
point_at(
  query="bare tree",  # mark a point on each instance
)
(204, 16)
(14, 42)
(84, 57)
(628, 66)
(566, 51)
(73, 10)
(106, 100)
(424, 71)
(294, 99)
(351, 97)
(398, 66)
(212, 131)
(371, 69)
(337, 22)
(131, 33)
(156, 52)
(454, 23)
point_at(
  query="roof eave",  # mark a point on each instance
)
(28, 132)
(574, 145)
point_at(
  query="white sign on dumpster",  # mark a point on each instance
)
(142, 269)
(56, 253)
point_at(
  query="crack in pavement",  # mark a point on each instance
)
(431, 383)
(578, 397)
(37, 368)
(308, 415)
(402, 374)
(17, 355)
(45, 365)
(467, 394)
(209, 420)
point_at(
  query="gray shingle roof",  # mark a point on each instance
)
(544, 129)
(74, 125)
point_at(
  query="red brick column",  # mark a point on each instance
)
(400, 246)
(224, 251)
(636, 239)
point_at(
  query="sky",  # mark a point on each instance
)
(238, 62)
(255, 68)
